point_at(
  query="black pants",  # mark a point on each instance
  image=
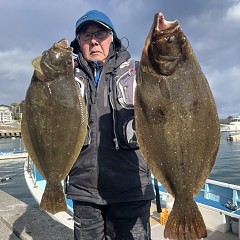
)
(122, 221)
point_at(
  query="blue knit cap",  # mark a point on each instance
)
(95, 16)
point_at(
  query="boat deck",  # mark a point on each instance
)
(157, 234)
(15, 195)
(158, 229)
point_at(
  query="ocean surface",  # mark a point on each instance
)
(226, 168)
(227, 165)
(11, 144)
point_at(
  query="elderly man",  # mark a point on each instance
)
(110, 183)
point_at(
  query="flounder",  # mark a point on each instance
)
(54, 123)
(177, 123)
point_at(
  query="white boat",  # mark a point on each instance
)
(233, 137)
(218, 202)
(233, 126)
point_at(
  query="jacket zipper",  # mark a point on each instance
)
(113, 115)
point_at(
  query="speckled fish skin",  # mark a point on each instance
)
(54, 123)
(177, 123)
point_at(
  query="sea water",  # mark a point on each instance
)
(226, 168)
(8, 145)
(227, 165)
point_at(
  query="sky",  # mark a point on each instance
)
(28, 27)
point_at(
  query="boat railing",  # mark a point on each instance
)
(32, 170)
(214, 193)
(222, 192)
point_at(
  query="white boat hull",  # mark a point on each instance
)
(230, 128)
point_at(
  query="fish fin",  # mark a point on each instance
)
(36, 65)
(53, 199)
(185, 222)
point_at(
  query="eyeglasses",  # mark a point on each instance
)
(100, 34)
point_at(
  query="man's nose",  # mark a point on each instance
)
(94, 40)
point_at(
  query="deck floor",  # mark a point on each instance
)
(158, 229)
(157, 234)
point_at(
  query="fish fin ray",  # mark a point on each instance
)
(185, 222)
(53, 199)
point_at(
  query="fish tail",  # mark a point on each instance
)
(53, 199)
(185, 222)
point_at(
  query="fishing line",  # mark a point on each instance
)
(8, 178)
(4, 179)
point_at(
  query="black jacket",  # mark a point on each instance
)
(103, 174)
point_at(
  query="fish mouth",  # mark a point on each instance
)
(62, 44)
(164, 26)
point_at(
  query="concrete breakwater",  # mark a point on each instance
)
(10, 134)
(10, 130)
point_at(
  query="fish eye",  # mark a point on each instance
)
(183, 39)
(171, 39)
(58, 55)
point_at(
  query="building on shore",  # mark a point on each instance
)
(6, 115)
(16, 109)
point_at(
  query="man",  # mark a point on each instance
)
(110, 183)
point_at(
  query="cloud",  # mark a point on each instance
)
(15, 72)
(210, 26)
(233, 13)
(10, 67)
(225, 87)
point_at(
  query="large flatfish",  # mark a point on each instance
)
(177, 123)
(54, 122)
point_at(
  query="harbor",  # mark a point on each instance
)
(21, 218)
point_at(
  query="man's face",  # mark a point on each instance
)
(95, 47)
